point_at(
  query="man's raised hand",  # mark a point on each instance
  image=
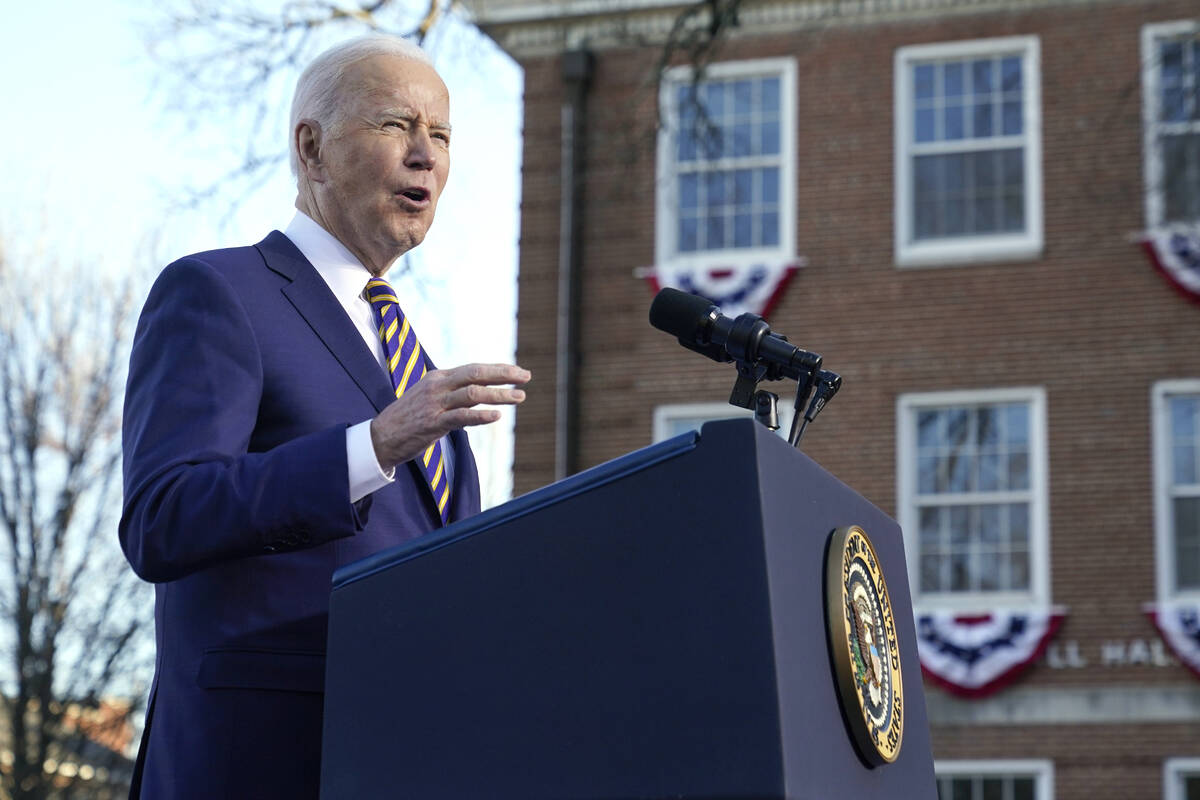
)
(440, 402)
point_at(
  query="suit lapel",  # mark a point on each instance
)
(313, 300)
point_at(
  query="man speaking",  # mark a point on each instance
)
(282, 419)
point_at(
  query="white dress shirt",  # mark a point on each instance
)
(347, 279)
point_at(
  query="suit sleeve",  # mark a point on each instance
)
(194, 494)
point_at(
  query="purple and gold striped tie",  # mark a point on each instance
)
(406, 365)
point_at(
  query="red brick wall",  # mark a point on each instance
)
(1089, 321)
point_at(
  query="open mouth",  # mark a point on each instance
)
(416, 194)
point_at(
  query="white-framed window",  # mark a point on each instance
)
(1175, 408)
(968, 151)
(1031, 779)
(1171, 121)
(726, 165)
(672, 420)
(972, 497)
(1181, 779)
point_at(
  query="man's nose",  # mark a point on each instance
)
(421, 152)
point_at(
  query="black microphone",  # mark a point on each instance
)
(700, 326)
(828, 384)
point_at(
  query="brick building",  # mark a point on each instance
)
(966, 184)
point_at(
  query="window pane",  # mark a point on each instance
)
(1018, 572)
(1181, 171)
(689, 232)
(1183, 416)
(1010, 115)
(1018, 525)
(960, 574)
(988, 421)
(770, 139)
(931, 573)
(925, 130)
(1014, 213)
(1174, 104)
(687, 141)
(1171, 54)
(993, 472)
(993, 789)
(1016, 423)
(923, 81)
(743, 187)
(741, 140)
(743, 231)
(689, 191)
(1185, 439)
(714, 232)
(1191, 787)
(1183, 457)
(990, 518)
(769, 92)
(770, 185)
(714, 100)
(1010, 74)
(989, 571)
(984, 215)
(1187, 542)
(931, 518)
(742, 97)
(981, 77)
(952, 77)
(1018, 471)
(960, 526)
(769, 234)
(929, 431)
(953, 122)
(1023, 789)
(714, 189)
(981, 120)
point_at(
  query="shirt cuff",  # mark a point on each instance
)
(366, 475)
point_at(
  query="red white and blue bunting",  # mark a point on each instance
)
(1175, 252)
(755, 288)
(974, 656)
(1179, 625)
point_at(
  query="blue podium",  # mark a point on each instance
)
(651, 628)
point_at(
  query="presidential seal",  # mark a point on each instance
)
(862, 641)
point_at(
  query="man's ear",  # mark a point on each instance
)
(308, 149)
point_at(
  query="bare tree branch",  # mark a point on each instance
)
(75, 619)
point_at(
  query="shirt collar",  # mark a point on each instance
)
(336, 265)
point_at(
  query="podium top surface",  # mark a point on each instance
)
(525, 504)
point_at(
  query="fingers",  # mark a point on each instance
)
(474, 395)
(442, 401)
(467, 417)
(482, 375)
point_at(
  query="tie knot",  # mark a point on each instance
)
(380, 291)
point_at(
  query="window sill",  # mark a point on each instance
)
(982, 250)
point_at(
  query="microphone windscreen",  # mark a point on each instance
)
(679, 313)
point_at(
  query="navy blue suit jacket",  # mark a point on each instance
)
(244, 376)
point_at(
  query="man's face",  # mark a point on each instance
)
(387, 160)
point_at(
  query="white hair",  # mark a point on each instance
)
(319, 94)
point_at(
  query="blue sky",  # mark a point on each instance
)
(92, 157)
